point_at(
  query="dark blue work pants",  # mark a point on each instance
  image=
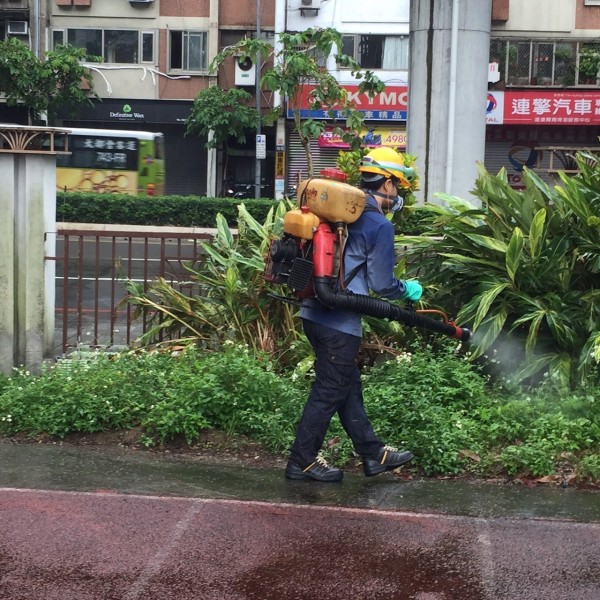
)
(337, 388)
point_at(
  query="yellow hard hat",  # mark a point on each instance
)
(386, 162)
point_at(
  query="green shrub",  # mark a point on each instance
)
(429, 400)
(589, 467)
(425, 400)
(232, 302)
(96, 394)
(176, 211)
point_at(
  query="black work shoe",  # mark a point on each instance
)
(388, 458)
(319, 470)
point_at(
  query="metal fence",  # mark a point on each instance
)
(92, 264)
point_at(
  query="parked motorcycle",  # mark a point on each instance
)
(243, 191)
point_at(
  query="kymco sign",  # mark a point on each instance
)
(389, 105)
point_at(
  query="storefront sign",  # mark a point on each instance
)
(373, 137)
(135, 111)
(389, 105)
(279, 164)
(543, 107)
(494, 110)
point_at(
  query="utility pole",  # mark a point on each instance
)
(449, 56)
(257, 170)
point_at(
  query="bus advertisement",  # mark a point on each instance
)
(111, 161)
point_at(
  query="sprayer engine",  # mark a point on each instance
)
(290, 262)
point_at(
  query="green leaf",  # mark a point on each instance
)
(487, 242)
(562, 332)
(535, 320)
(491, 328)
(485, 301)
(224, 235)
(232, 280)
(533, 366)
(514, 252)
(469, 260)
(536, 232)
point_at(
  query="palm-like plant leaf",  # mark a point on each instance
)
(226, 298)
(514, 253)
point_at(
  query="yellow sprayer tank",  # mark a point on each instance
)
(301, 223)
(331, 200)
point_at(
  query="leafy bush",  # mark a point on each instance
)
(177, 211)
(523, 270)
(431, 401)
(424, 400)
(168, 396)
(83, 395)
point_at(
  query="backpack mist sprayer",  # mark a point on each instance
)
(308, 258)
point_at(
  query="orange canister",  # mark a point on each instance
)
(301, 223)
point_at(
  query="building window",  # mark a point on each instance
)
(123, 46)
(147, 46)
(230, 37)
(188, 50)
(377, 51)
(556, 63)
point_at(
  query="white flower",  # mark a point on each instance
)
(405, 357)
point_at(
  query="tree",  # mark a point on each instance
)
(44, 85)
(298, 72)
(224, 113)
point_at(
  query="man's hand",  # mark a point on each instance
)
(413, 291)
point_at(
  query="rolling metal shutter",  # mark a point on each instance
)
(297, 165)
(186, 160)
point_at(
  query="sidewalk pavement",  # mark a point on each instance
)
(89, 523)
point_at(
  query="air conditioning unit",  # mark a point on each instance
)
(310, 8)
(245, 71)
(17, 27)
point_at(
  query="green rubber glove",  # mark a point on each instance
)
(413, 291)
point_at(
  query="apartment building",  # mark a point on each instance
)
(376, 34)
(154, 59)
(543, 101)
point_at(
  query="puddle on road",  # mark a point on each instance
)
(358, 569)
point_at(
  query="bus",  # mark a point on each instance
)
(112, 161)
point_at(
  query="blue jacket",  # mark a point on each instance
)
(370, 254)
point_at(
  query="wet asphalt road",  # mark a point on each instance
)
(80, 523)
